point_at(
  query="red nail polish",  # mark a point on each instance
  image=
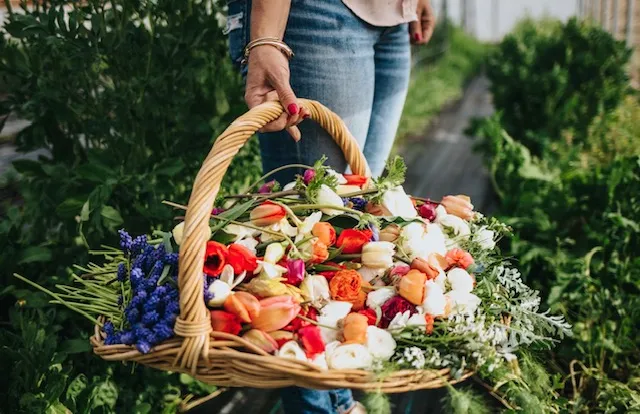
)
(306, 116)
(292, 108)
(418, 37)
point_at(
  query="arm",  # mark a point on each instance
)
(268, 68)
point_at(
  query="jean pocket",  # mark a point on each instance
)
(237, 28)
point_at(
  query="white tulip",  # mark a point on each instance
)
(249, 243)
(485, 238)
(269, 270)
(316, 288)
(273, 253)
(455, 223)
(434, 302)
(398, 203)
(327, 196)
(377, 298)
(307, 225)
(380, 343)
(292, 350)
(463, 302)
(378, 255)
(460, 280)
(350, 356)
(368, 274)
(282, 226)
(220, 291)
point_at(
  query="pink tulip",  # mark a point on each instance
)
(275, 313)
(261, 339)
(459, 205)
(295, 271)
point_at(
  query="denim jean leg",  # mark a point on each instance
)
(393, 66)
(297, 400)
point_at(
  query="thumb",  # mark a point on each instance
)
(287, 97)
(415, 31)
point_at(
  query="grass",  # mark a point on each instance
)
(433, 85)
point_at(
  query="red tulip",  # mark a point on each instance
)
(275, 313)
(241, 259)
(215, 258)
(355, 179)
(352, 240)
(311, 340)
(222, 321)
(267, 213)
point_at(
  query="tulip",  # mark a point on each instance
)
(276, 313)
(352, 240)
(267, 213)
(345, 189)
(267, 187)
(295, 271)
(219, 291)
(398, 203)
(328, 197)
(311, 340)
(325, 233)
(349, 356)
(459, 206)
(222, 321)
(377, 298)
(266, 288)
(399, 270)
(378, 255)
(411, 286)
(458, 257)
(369, 274)
(250, 244)
(244, 305)
(241, 259)
(390, 233)
(354, 328)
(428, 211)
(319, 251)
(292, 350)
(434, 300)
(433, 266)
(261, 339)
(309, 175)
(380, 343)
(460, 280)
(215, 258)
(281, 337)
(316, 289)
(355, 179)
(370, 314)
(273, 253)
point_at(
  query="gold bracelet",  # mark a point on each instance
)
(268, 41)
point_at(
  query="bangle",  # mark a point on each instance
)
(269, 41)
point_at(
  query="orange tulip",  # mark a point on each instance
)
(432, 266)
(261, 339)
(325, 232)
(354, 328)
(275, 313)
(459, 205)
(267, 213)
(390, 233)
(222, 321)
(411, 286)
(244, 305)
(319, 252)
(458, 257)
(377, 209)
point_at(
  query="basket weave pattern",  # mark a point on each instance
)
(228, 360)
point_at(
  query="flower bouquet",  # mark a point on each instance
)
(333, 280)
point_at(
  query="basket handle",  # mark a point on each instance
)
(194, 324)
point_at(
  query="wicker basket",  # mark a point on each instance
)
(228, 360)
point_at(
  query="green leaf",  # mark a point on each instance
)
(75, 346)
(28, 167)
(35, 254)
(112, 216)
(170, 167)
(232, 214)
(69, 208)
(84, 213)
(76, 386)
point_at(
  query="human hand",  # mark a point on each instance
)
(422, 29)
(268, 80)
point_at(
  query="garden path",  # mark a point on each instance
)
(440, 162)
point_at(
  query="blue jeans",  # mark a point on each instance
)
(359, 71)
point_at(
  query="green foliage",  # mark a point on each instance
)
(556, 77)
(127, 98)
(573, 203)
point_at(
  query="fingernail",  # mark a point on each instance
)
(418, 37)
(306, 116)
(292, 108)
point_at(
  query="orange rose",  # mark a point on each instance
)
(354, 329)
(325, 232)
(411, 286)
(458, 257)
(320, 253)
(346, 286)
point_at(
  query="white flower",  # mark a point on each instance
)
(463, 302)
(380, 343)
(368, 274)
(273, 253)
(378, 255)
(178, 233)
(417, 319)
(377, 298)
(441, 212)
(485, 238)
(292, 350)
(249, 243)
(347, 189)
(282, 226)
(268, 267)
(339, 177)
(398, 203)
(316, 289)
(460, 280)
(290, 186)
(419, 240)
(320, 360)
(441, 279)
(455, 223)
(307, 225)
(220, 292)
(350, 356)
(239, 232)
(329, 317)
(399, 322)
(327, 196)
(434, 302)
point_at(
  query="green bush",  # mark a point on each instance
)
(551, 78)
(127, 97)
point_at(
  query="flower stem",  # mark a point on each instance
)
(319, 206)
(315, 322)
